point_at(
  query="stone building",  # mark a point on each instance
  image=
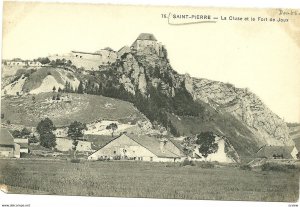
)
(277, 152)
(8, 148)
(24, 143)
(142, 148)
(147, 41)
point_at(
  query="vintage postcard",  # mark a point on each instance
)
(150, 102)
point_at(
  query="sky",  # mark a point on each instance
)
(261, 56)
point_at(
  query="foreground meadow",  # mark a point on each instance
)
(147, 180)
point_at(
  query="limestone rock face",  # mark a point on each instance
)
(244, 105)
(147, 68)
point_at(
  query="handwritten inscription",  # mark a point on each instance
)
(290, 12)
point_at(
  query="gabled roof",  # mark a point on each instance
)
(269, 151)
(150, 143)
(5, 137)
(297, 143)
(146, 36)
(88, 53)
(153, 145)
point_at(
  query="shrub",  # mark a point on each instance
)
(245, 167)
(192, 163)
(186, 162)
(289, 166)
(274, 167)
(206, 165)
(75, 160)
(33, 139)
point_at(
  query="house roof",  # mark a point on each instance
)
(150, 143)
(153, 145)
(269, 151)
(5, 137)
(297, 143)
(146, 36)
(89, 53)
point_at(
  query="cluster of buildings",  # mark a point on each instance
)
(145, 42)
(129, 147)
(24, 63)
(124, 146)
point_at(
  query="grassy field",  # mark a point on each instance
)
(82, 107)
(148, 180)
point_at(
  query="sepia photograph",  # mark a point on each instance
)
(161, 102)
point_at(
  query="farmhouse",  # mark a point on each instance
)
(23, 145)
(277, 152)
(143, 148)
(7, 146)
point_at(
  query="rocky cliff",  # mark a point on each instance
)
(139, 71)
(244, 105)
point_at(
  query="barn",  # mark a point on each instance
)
(277, 152)
(7, 146)
(142, 148)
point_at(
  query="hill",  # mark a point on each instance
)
(80, 107)
(143, 76)
(38, 80)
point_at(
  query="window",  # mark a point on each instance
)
(115, 152)
(151, 159)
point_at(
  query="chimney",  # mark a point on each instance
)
(162, 143)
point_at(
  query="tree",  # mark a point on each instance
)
(75, 131)
(206, 140)
(45, 129)
(80, 87)
(44, 61)
(25, 132)
(16, 134)
(113, 127)
(48, 140)
(54, 89)
(298, 155)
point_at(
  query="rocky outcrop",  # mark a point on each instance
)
(146, 68)
(242, 104)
